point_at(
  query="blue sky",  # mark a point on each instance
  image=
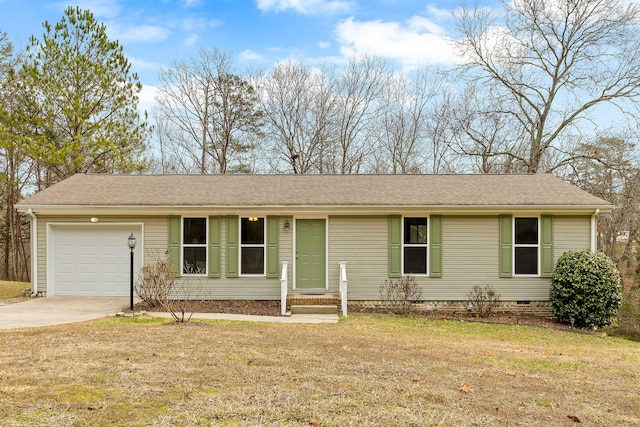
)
(259, 33)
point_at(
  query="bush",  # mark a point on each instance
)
(585, 289)
(483, 300)
(628, 319)
(398, 296)
(157, 286)
(155, 282)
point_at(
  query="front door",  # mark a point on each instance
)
(310, 254)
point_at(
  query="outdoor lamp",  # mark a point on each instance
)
(132, 244)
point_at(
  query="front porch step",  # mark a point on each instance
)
(313, 299)
(314, 309)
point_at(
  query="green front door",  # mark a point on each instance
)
(310, 254)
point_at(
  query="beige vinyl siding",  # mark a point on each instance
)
(363, 243)
(156, 245)
(571, 233)
(469, 257)
(470, 250)
(286, 250)
(155, 237)
(249, 288)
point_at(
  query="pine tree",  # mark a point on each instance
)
(82, 101)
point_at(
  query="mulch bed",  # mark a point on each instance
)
(256, 308)
(272, 308)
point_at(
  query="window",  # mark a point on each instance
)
(526, 245)
(194, 246)
(415, 245)
(252, 245)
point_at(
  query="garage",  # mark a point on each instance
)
(91, 259)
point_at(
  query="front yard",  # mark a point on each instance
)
(364, 371)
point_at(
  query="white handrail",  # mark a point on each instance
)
(284, 285)
(343, 287)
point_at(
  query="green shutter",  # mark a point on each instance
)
(232, 246)
(506, 229)
(273, 226)
(174, 244)
(214, 246)
(435, 246)
(546, 245)
(395, 246)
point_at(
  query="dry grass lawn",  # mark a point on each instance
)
(364, 371)
(12, 291)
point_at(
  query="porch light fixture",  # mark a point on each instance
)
(287, 224)
(132, 245)
(253, 218)
(94, 219)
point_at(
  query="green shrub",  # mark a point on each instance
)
(585, 289)
(628, 319)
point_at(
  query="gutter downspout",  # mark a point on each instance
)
(594, 230)
(34, 252)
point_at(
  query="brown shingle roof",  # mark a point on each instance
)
(312, 190)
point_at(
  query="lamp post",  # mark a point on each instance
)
(132, 245)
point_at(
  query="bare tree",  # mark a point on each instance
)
(296, 101)
(401, 128)
(484, 138)
(441, 135)
(357, 90)
(609, 167)
(15, 167)
(206, 111)
(545, 65)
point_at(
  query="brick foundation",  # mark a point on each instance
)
(537, 308)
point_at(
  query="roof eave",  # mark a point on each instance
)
(306, 209)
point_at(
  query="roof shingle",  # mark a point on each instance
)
(312, 190)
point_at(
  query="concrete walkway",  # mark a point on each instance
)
(60, 310)
(295, 318)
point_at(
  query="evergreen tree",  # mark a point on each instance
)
(82, 101)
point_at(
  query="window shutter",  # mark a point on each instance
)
(232, 246)
(174, 244)
(273, 226)
(395, 246)
(435, 246)
(546, 245)
(505, 258)
(214, 246)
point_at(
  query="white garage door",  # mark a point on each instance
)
(92, 260)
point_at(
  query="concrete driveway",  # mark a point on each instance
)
(59, 310)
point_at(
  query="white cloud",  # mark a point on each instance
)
(324, 45)
(306, 7)
(190, 40)
(199, 24)
(100, 8)
(147, 98)
(418, 41)
(141, 65)
(140, 33)
(439, 14)
(250, 56)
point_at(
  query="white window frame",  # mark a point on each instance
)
(241, 246)
(195, 245)
(416, 245)
(526, 245)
